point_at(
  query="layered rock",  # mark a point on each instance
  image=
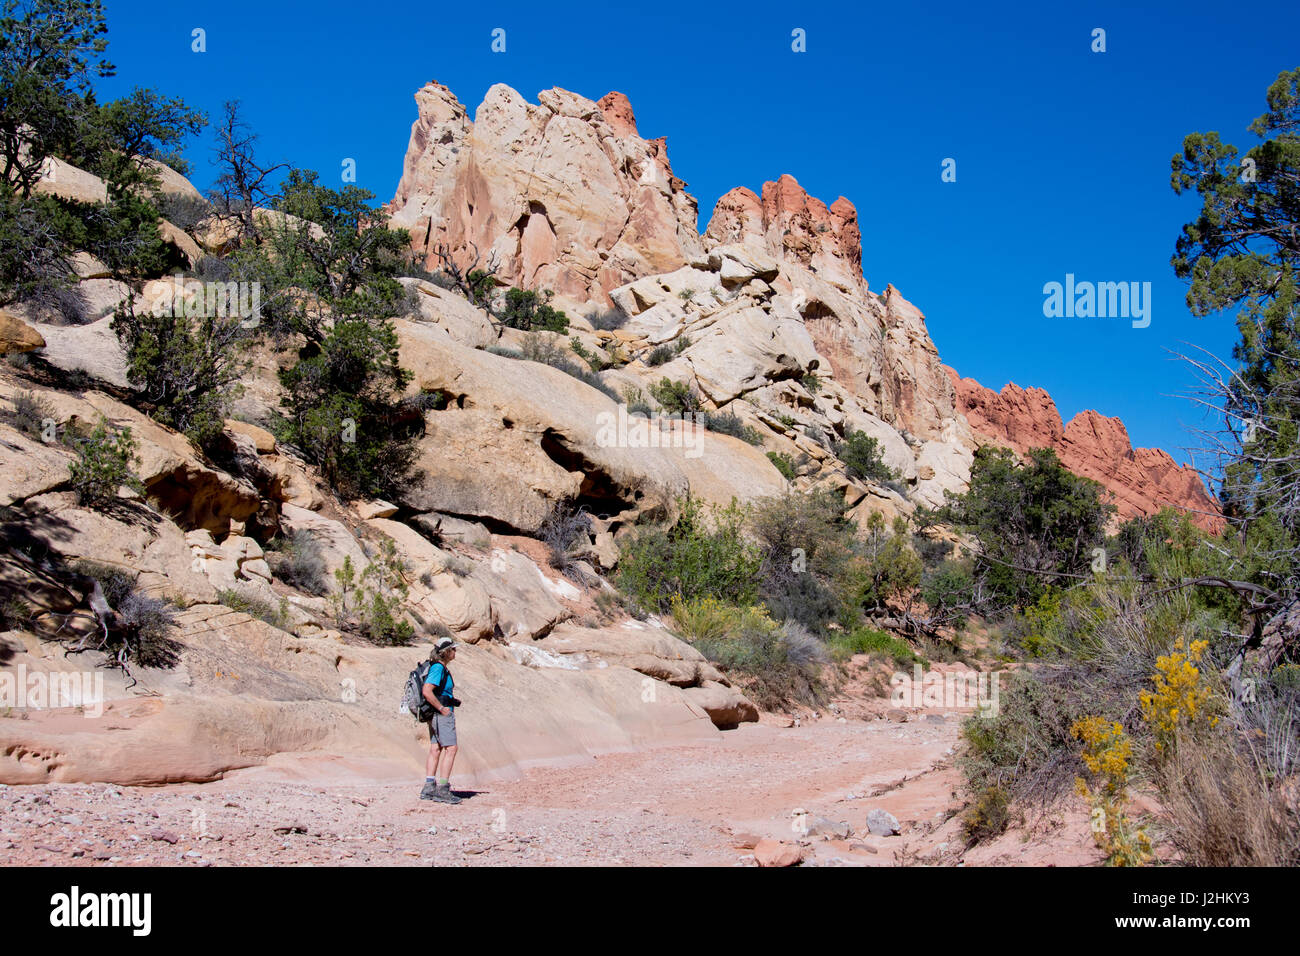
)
(560, 194)
(1141, 481)
(877, 346)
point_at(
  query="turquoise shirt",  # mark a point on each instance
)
(435, 676)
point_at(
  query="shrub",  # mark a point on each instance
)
(33, 415)
(566, 534)
(660, 355)
(948, 590)
(372, 601)
(812, 382)
(276, 615)
(546, 349)
(784, 464)
(183, 211)
(810, 568)
(636, 402)
(675, 397)
(893, 569)
(866, 640)
(862, 457)
(298, 561)
(187, 367)
(607, 320)
(139, 630)
(699, 556)
(727, 423)
(988, 816)
(585, 354)
(776, 663)
(532, 312)
(1033, 515)
(345, 410)
(103, 465)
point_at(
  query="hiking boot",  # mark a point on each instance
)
(430, 791)
(443, 794)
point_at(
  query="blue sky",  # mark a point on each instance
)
(1062, 154)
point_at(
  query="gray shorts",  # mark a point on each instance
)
(442, 730)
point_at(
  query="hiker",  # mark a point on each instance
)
(437, 690)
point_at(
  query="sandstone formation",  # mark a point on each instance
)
(1141, 481)
(561, 196)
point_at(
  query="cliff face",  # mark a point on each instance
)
(1140, 480)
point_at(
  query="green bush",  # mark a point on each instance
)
(776, 663)
(187, 368)
(675, 397)
(866, 640)
(863, 458)
(784, 464)
(1035, 523)
(372, 602)
(727, 423)
(532, 312)
(702, 555)
(892, 569)
(103, 464)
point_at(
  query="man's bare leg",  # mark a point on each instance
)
(445, 761)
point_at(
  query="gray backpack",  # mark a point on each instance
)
(413, 701)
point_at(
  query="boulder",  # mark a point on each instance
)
(448, 311)
(769, 852)
(335, 540)
(93, 349)
(263, 441)
(882, 823)
(726, 706)
(17, 336)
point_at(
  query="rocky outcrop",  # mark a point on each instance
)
(17, 336)
(877, 346)
(796, 227)
(1141, 481)
(563, 196)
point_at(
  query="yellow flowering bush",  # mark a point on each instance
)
(1107, 751)
(1181, 697)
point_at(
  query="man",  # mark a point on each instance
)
(438, 687)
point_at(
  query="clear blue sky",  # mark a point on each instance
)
(1062, 154)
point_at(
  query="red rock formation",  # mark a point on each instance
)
(1141, 480)
(796, 227)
